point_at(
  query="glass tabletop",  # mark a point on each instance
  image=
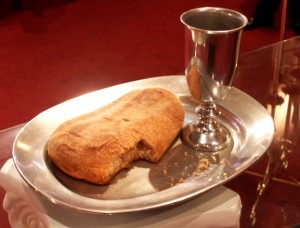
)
(271, 76)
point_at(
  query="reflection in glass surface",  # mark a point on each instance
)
(274, 73)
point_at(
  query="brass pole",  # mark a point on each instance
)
(283, 20)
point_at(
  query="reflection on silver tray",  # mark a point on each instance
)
(175, 178)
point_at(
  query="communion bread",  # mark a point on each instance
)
(96, 146)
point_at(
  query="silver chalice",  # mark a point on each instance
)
(212, 37)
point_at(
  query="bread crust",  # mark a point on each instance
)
(96, 146)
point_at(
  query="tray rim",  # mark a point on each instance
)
(140, 199)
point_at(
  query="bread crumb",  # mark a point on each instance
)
(196, 174)
(165, 171)
(175, 182)
(185, 154)
(203, 165)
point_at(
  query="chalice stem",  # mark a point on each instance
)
(207, 113)
(206, 134)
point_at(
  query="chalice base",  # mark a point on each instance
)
(205, 140)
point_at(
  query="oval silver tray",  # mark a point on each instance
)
(177, 177)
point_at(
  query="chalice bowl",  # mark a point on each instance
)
(212, 42)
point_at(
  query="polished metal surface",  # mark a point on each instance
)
(180, 175)
(212, 43)
(212, 46)
(206, 134)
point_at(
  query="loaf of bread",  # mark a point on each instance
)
(95, 146)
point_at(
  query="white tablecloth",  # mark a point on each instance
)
(219, 207)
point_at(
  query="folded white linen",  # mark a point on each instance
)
(219, 207)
